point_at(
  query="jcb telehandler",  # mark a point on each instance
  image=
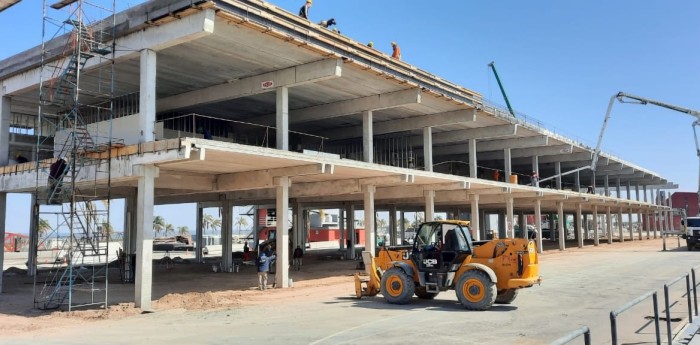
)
(444, 257)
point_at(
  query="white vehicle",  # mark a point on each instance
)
(692, 231)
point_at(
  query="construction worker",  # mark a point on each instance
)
(396, 54)
(370, 44)
(21, 159)
(327, 23)
(304, 11)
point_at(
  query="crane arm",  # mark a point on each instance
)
(503, 91)
(621, 96)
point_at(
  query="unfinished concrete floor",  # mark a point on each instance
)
(580, 287)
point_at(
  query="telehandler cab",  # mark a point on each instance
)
(444, 257)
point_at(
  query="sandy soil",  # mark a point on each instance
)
(196, 287)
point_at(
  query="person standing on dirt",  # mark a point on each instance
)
(263, 264)
(298, 255)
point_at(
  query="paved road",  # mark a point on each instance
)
(580, 288)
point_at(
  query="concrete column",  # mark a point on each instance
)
(577, 182)
(636, 191)
(297, 217)
(619, 225)
(606, 182)
(522, 224)
(368, 136)
(473, 168)
(630, 224)
(640, 224)
(536, 168)
(282, 184)
(351, 231)
(3, 214)
(609, 229)
(147, 97)
(646, 199)
(510, 219)
(282, 121)
(33, 237)
(560, 227)
(370, 224)
(596, 236)
(594, 184)
(144, 234)
(579, 223)
(428, 148)
(647, 224)
(654, 224)
(628, 188)
(502, 225)
(484, 223)
(670, 213)
(557, 172)
(429, 205)
(199, 235)
(507, 163)
(617, 188)
(402, 227)
(538, 224)
(393, 236)
(226, 235)
(341, 227)
(475, 216)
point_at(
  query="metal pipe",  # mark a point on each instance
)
(583, 331)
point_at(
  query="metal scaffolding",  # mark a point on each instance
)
(73, 153)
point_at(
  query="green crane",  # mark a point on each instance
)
(500, 85)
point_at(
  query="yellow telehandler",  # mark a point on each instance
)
(444, 257)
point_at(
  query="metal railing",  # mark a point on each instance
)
(615, 313)
(668, 307)
(583, 331)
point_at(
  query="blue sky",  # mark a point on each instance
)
(560, 61)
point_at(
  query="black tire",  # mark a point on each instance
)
(397, 287)
(475, 290)
(422, 294)
(506, 296)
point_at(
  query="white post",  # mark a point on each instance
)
(147, 96)
(596, 236)
(370, 231)
(536, 169)
(368, 136)
(538, 224)
(560, 226)
(428, 148)
(510, 219)
(282, 184)
(475, 217)
(507, 163)
(473, 172)
(144, 235)
(579, 225)
(608, 219)
(429, 205)
(282, 120)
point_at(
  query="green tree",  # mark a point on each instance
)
(43, 227)
(183, 230)
(158, 224)
(241, 222)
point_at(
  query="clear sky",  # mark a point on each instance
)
(560, 62)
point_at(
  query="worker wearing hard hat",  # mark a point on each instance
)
(396, 54)
(304, 11)
(370, 44)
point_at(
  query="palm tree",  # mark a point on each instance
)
(437, 217)
(207, 221)
(241, 222)
(107, 230)
(43, 227)
(381, 223)
(406, 223)
(183, 230)
(158, 224)
(216, 224)
(169, 228)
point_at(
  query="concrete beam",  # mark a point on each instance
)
(483, 133)
(407, 124)
(579, 158)
(348, 107)
(265, 178)
(558, 150)
(155, 38)
(493, 145)
(267, 82)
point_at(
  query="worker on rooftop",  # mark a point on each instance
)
(304, 11)
(370, 44)
(396, 54)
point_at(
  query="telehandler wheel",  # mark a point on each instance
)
(475, 290)
(397, 287)
(506, 296)
(422, 294)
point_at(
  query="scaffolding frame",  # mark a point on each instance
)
(69, 187)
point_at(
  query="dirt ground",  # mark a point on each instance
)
(193, 286)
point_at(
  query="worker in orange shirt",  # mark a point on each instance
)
(396, 54)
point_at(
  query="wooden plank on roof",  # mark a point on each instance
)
(63, 3)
